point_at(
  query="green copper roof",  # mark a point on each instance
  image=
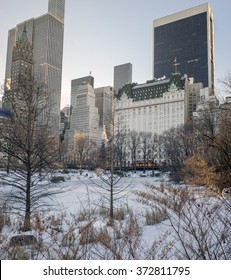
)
(152, 89)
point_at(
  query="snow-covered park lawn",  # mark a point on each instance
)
(156, 222)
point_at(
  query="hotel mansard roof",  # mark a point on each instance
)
(152, 89)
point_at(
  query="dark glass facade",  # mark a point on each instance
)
(122, 76)
(182, 45)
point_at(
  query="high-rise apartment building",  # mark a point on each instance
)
(104, 101)
(45, 34)
(185, 41)
(122, 76)
(57, 8)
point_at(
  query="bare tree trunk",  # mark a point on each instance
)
(8, 165)
(81, 166)
(111, 200)
(27, 218)
(112, 178)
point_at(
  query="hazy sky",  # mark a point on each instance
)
(100, 34)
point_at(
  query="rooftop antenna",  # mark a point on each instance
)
(175, 65)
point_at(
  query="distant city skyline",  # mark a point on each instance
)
(99, 35)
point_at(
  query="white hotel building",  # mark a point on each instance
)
(157, 105)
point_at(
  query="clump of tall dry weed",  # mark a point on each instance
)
(199, 224)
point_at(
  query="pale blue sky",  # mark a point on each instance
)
(100, 34)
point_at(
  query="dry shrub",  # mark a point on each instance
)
(84, 215)
(62, 241)
(120, 213)
(161, 248)
(57, 179)
(200, 224)
(37, 223)
(4, 217)
(197, 171)
(87, 234)
(154, 216)
(121, 240)
(19, 253)
(223, 180)
(2, 221)
(104, 211)
(55, 222)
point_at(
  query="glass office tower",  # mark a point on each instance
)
(185, 42)
(45, 33)
(122, 76)
(57, 9)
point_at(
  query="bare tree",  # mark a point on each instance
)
(178, 143)
(145, 146)
(81, 146)
(186, 134)
(120, 149)
(225, 87)
(133, 144)
(29, 145)
(155, 144)
(111, 186)
(172, 145)
(103, 155)
(112, 189)
(212, 149)
(206, 124)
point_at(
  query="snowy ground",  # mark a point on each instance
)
(82, 196)
(80, 190)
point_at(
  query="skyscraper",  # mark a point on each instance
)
(75, 85)
(22, 60)
(84, 114)
(103, 101)
(21, 68)
(185, 41)
(45, 34)
(122, 76)
(57, 8)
